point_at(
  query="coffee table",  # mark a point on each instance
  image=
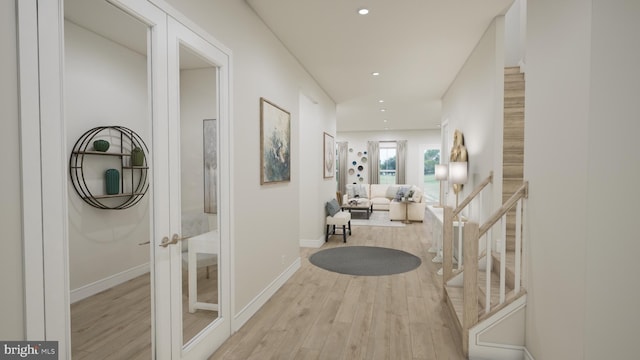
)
(362, 205)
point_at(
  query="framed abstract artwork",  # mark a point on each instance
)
(329, 157)
(275, 143)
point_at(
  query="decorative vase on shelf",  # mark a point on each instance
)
(112, 181)
(101, 145)
(137, 157)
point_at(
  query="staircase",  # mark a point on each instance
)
(489, 305)
(486, 296)
(513, 142)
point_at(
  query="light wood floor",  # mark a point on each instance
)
(318, 314)
(116, 323)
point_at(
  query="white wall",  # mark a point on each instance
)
(473, 104)
(265, 242)
(11, 296)
(416, 140)
(315, 190)
(514, 33)
(612, 316)
(197, 102)
(105, 84)
(582, 166)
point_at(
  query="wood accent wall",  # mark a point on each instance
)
(513, 142)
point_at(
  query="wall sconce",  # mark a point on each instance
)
(458, 176)
(442, 173)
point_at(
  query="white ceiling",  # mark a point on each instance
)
(418, 46)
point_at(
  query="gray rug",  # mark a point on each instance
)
(365, 260)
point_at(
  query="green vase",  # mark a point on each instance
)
(137, 157)
(112, 181)
(101, 145)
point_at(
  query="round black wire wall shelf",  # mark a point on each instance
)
(110, 142)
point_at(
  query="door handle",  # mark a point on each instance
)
(174, 240)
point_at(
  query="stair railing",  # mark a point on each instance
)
(473, 233)
(449, 217)
(517, 201)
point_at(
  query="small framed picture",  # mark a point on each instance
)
(329, 158)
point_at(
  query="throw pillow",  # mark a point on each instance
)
(417, 194)
(332, 207)
(400, 193)
(351, 190)
(361, 191)
(391, 192)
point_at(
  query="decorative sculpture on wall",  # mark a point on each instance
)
(458, 154)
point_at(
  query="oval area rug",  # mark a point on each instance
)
(365, 260)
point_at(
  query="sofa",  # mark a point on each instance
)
(387, 197)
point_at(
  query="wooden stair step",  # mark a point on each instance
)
(512, 70)
(455, 302)
(510, 273)
(495, 289)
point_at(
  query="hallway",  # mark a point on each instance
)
(323, 315)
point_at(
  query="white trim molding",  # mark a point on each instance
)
(311, 243)
(44, 202)
(527, 354)
(30, 168)
(479, 349)
(254, 305)
(85, 291)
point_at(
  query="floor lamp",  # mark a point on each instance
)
(442, 173)
(458, 176)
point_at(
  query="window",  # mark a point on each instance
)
(431, 185)
(387, 162)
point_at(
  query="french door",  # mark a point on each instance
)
(176, 258)
(199, 188)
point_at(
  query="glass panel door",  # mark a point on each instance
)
(110, 260)
(199, 209)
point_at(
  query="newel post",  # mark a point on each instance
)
(470, 311)
(447, 244)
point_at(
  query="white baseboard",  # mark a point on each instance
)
(308, 243)
(85, 291)
(254, 305)
(527, 354)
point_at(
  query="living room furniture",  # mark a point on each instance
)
(341, 218)
(381, 196)
(358, 205)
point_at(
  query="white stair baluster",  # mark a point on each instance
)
(487, 306)
(503, 258)
(518, 255)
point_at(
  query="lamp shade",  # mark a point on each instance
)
(442, 172)
(458, 172)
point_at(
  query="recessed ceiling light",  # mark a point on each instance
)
(380, 101)
(363, 11)
(383, 110)
(385, 120)
(375, 73)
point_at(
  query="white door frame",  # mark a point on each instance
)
(44, 198)
(219, 330)
(43, 151)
